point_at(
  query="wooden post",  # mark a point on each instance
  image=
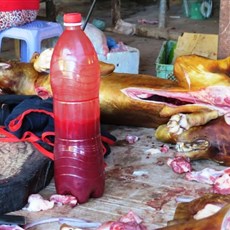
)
(116, 11)
(162, 14)
(224, 29)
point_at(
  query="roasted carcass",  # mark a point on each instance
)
(141, 100)
(209, 141)
(192, 215)
(200, 94)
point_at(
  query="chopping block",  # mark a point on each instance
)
(23, 171)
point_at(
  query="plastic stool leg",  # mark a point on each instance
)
(28, 49)
(23, 51)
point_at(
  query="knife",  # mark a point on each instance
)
(12, 219)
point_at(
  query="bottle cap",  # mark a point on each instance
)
(72, 18)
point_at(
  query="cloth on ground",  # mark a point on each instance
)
(32, 120)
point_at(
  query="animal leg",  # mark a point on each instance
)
(178, 123)
(41, 62)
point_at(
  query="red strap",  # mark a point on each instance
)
(43, 150)
(45, 138)
(16, 123)
(29, 137)
(103, 150)
(107, 140)
(32, 138)
(8, 137)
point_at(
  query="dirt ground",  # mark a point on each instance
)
(134, 12)
(145, 10)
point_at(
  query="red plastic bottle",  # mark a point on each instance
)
(75, 81)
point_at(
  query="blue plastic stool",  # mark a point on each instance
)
(31, 36)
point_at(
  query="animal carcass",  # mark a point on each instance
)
(201, 93)
(216, 218)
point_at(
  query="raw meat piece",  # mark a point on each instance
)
(179, 165)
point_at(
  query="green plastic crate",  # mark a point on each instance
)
(164, 66)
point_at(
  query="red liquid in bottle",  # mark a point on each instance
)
(75, 80)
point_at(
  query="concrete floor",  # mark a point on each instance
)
(138, 179)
